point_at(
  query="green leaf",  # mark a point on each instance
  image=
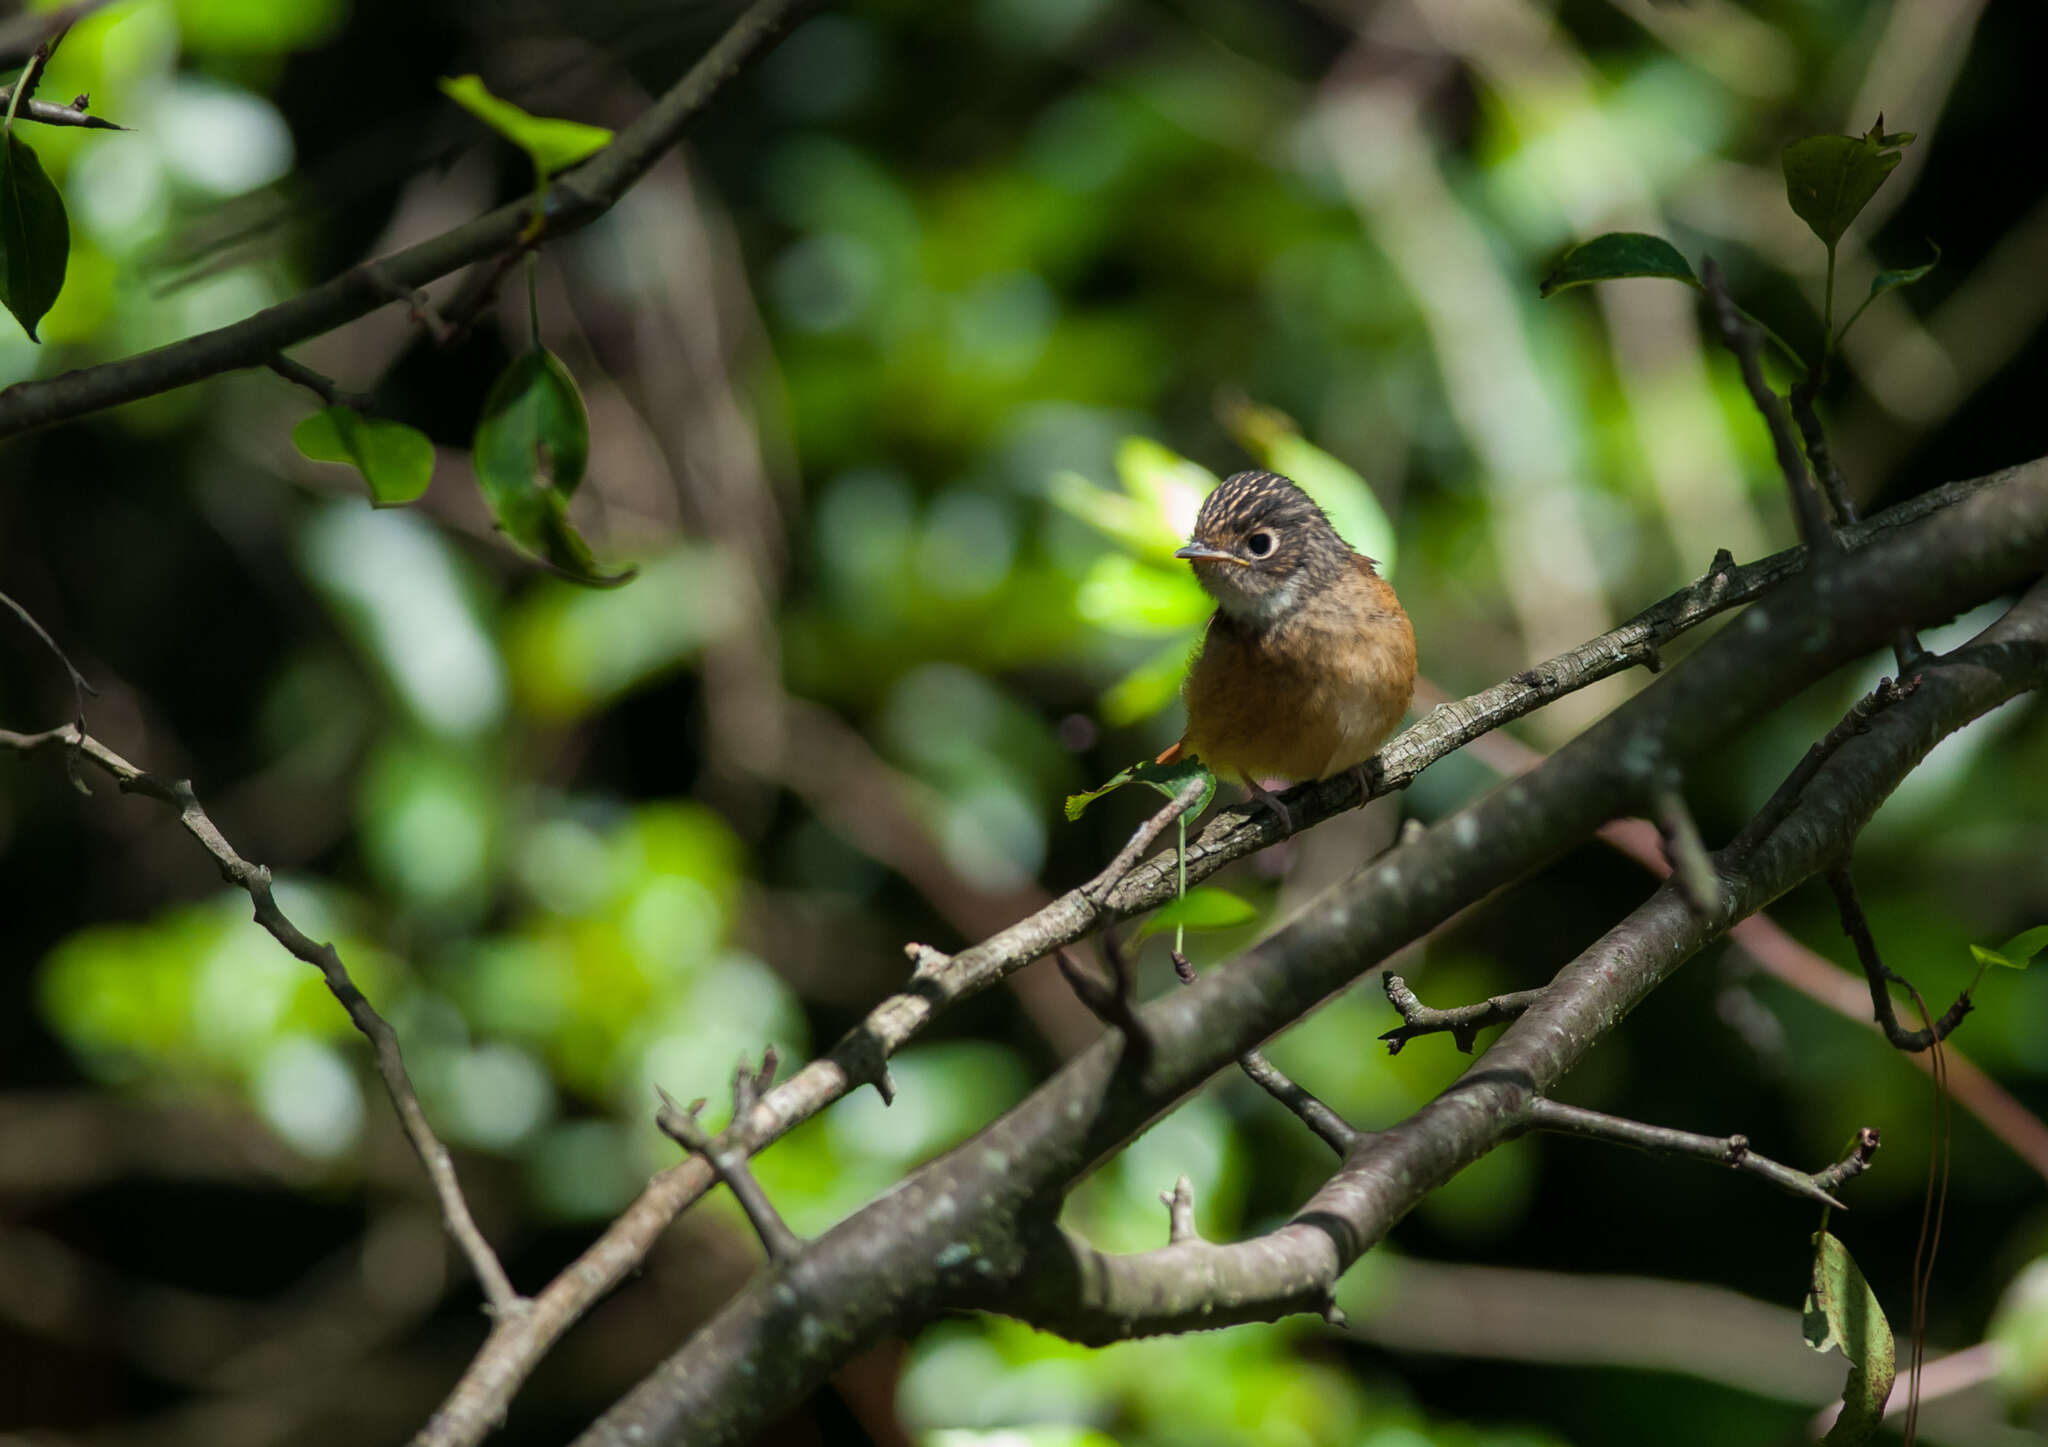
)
(397, 461)
(1147, 688)
(1616, 255)
(554, 145)
(1203, 907)
(1830, 179)
(2016, 953)
(1168, 779)
(532, 447)
(35, 236)
(1886, 281)
(1355, 511)
(1123, 596)
(1842, 1312)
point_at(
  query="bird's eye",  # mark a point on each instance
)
(1259, 545)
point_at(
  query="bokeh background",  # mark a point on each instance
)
(900, 375)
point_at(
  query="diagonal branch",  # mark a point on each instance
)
(1732, 1151)
(505, 1303)
(1925, 530)
(729, 1158)
(572, 201)
(969, 1228)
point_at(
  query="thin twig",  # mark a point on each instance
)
(1687, 853)
(729, 1159)
(81, 688)
(1732, 1151)
(1775, 808)
(1857, 927)
(50, 114)
(1110, 1002)
(321, 385)
(1098, 888)
(255, 879)
(1462, 1023)
(1741, 339)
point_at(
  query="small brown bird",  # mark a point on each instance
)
(1309, 661)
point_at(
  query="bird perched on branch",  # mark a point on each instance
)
(1309, 661)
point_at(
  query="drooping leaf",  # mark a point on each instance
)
(1886, 281)
(554, 145)
(1204, 907)
(1168, 779)
(396, 461)
(35, 236)
(2016, 953)
(1830, 179)
(1354, 509)
(1616, 255)
(531, 450)
(1842, 1312)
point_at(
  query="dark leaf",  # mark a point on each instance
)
(1830, 179)
(1842, 1312)
(35, 236)
(395, 460)
(1886, 281)
(1615, 255)
(532, 447)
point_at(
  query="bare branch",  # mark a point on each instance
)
(1098, 888)
(1463, 1023)
(505, 1303)
(1732, 1151)
(1741, 339)
(1787, 793)
(572, 201)
(1686, 852)
(1882, 976)
(322, 386)
(729, 1159)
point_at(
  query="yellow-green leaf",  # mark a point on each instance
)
(396, 461)
(531, 450)
(1842, 1313)
(554, 145)
(1203, 907)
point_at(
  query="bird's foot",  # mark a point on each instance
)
(1271, 801)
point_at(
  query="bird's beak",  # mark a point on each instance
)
(1203, 553)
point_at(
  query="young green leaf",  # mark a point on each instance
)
(554, 145)
(35, 236)
(1168, 779)
(1842, 1311)
(1613, 256)
(2016, 953)
(397, 461)
(1354, 509)
(532, 447)
(1830, 179)
(1886, 281)
(1203, 907)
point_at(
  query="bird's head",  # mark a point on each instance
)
(1262, 546)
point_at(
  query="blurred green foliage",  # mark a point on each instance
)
(1018, 309)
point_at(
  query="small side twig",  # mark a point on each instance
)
(1732, 1151)
(321, 385)
(1881, 976)
(51, 114)
(1854, 722)
(1462, 1024)
(1097, 889)
(1110, 1002)
(81, 689)
(729, 1160)
(1687, 854)
(1741, 339)
(1339, 1134)
(1180, 1212)
(255, 880)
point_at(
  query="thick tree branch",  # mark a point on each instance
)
(1732, 1151)
(505, 1303)
(482, 1397)
(957, 1229)
(572, 201)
